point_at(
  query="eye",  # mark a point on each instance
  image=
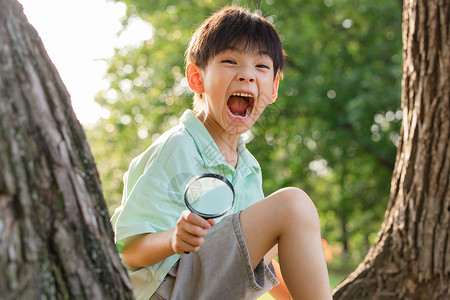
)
(263, 66)
(228, 61)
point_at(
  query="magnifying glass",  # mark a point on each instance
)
(209, 195)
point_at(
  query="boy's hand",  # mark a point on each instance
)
(190, 232)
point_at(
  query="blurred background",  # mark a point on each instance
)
(332, 132)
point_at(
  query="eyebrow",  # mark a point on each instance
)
(262, 52)
(233, 48)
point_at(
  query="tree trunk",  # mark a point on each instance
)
(411, 258)
(55, 235)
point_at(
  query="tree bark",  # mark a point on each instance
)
(411, 257)
(55, 236)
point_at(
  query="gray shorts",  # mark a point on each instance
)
(221, 269)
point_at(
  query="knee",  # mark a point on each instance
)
(295, 205)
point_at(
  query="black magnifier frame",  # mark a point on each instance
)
(204, 215)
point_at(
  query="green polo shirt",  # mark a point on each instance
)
(154, 186)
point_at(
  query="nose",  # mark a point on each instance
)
(246, 76)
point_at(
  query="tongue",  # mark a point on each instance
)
(237, 105)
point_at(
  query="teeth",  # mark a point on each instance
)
(243, 95)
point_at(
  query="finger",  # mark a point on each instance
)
(193, 230)
(211, 222)
(195, 219)
(193, 241)
(183, 247)
(186, 242)
(184, 226)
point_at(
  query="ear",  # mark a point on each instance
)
(276, 82)
(194, 78)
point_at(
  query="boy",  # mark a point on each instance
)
(233, 64)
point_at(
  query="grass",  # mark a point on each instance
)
(266, 296)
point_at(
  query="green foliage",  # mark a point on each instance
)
(332, 130)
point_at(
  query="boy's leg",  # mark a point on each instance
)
(288, 217)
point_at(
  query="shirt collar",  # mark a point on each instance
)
(208, 149)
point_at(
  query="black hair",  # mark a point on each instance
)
(234, 27)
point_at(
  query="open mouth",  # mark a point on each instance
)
(240, 105)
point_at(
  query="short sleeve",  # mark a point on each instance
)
(155, 183)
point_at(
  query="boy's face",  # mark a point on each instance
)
(237, 87)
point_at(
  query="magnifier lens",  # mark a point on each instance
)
(209, 195)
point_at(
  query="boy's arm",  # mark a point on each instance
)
(279, 292)
(147, 249)
(150, 248)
